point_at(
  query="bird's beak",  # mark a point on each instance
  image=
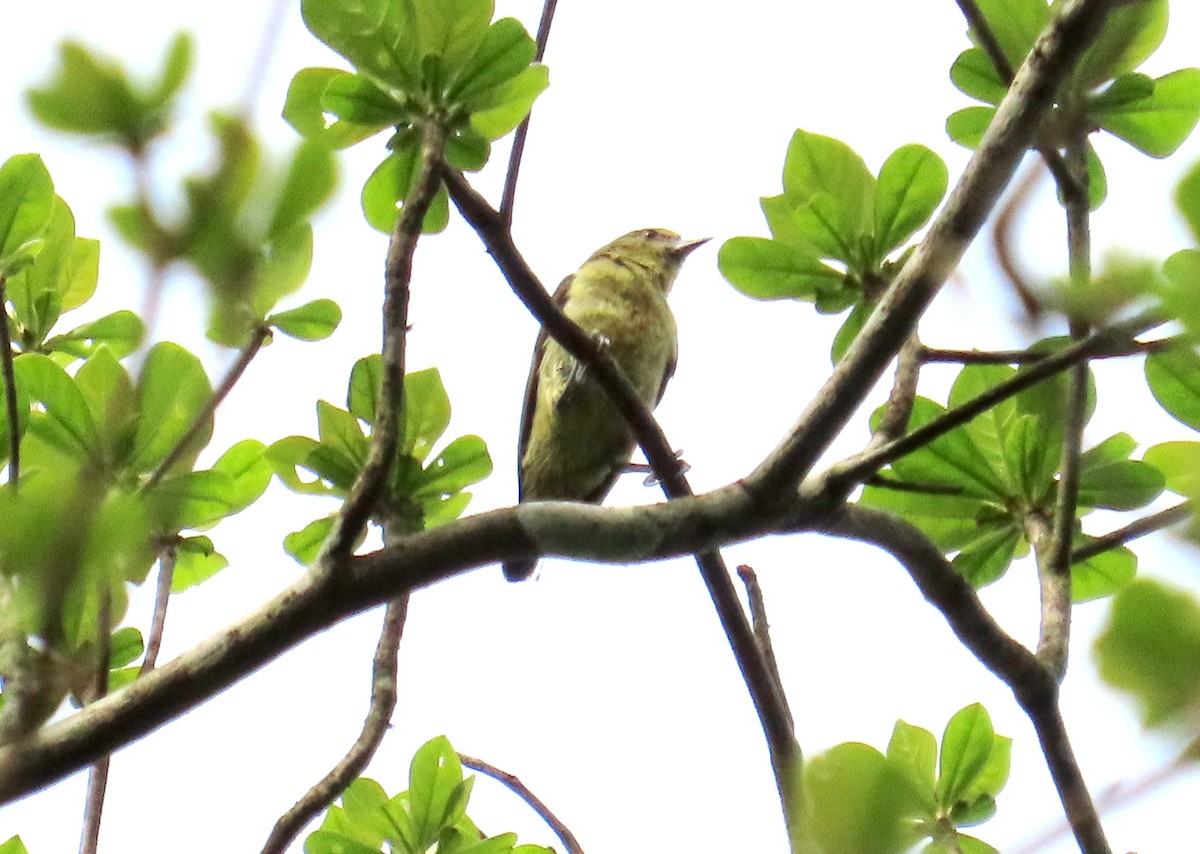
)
(685, 248)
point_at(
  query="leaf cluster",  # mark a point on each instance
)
(445, 63)
(432, 813)
(421, 493)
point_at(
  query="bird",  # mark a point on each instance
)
(573, 444)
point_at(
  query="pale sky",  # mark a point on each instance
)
(609, 691)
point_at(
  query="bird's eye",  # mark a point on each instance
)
(652, 234)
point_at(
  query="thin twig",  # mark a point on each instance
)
(856, 468)
(205, 415)
(931, 355)
(375, 726)
(1054, 565)
(570, 843)
(762, 627)
(1139, 528)
(267, 43)
(1003, 242)
(508, 197)
(98, 777)
(162, 596)
(385, 433)
(763, 689)
(10, 390)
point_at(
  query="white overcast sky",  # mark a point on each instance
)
(610, 691)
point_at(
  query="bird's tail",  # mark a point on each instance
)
(519, 570)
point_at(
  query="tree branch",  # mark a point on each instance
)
(358, 583)
(762, 627)
(931, 355)
(1033, 684)
(991, 167)
(856, 468)
(379, 716)
(369, 485)
(570, 843)
(508, 197)
(1139, 528)
(162, 596)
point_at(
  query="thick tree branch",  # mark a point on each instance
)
(358, 583)
(764, 690)
(570, 843)
(991, 167)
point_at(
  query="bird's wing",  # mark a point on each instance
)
(531, 384)
(667, 374)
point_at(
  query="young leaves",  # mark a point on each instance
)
(835, 227)
(974, 489)
(857, 799)
(430, 815)
(420, 494)
(415, 62)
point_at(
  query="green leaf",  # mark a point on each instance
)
(857, 802)
(363, 390)
(304, 109)
(386, 189)
(26, 205)
(911, 184)
(434, 776)
(451, 29)
(313, 321)
(913, 750)
(461, 463)
(284, 269)
(768, 269)
(357, 101)
(1102, 575)
(311, 179)
(987, 557)
(89, 95)
(504, 52)
(194, 499)
(304, 545)
(1015, 24)
(949, 520)
(832, 194)
(1151, 649)
(848, 331)
(177, 64)
(121, 332)
(966, 745)
(504, 107)
(289, 454)
(1131, 33)
(1187, 199)
(1156, 122)
(975, 76)
(378, 37)
(124, 647)
(66, 423)
(249, 472)
(195, 563)
(968, 125)
(1109, 479)
(340, 432)
(13, 845)
(1179, 463)
(426, 413)
(952, 459)
(173, 390)
(108, 391)
(1174, 379)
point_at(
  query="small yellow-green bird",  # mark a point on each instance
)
(573, 443)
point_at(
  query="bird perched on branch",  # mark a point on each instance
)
(573, 441)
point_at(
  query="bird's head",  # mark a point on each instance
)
(654, 249)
